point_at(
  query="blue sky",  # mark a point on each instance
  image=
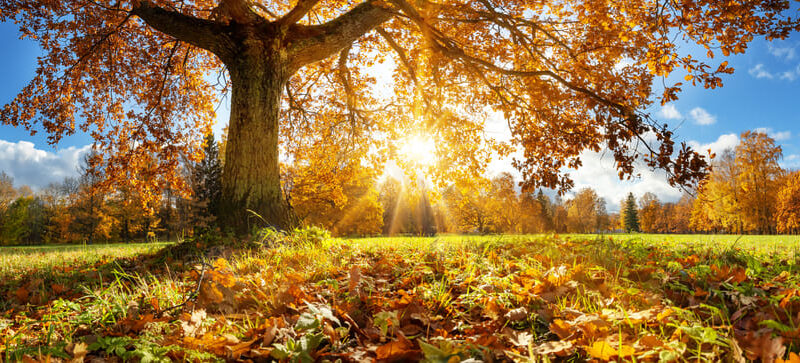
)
(762, 93)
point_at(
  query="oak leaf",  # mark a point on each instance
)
(400, 349)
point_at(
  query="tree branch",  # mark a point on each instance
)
(400, 53)
(298, 12)
(309, 44)
(201, 33)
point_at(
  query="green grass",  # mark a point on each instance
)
(16, 261)
(580, 288)
(782, 244)
(761, 244)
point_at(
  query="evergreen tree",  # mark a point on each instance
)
(630, 214)
(545, 212)
(207, 184)
(88, 210)
(427, 221)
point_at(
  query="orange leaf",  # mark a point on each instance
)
(58, 288)
(605, 351)
(793, 358)
(22, 295)
(396, 350)
(560, 328)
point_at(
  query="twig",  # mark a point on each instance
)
(191, 296)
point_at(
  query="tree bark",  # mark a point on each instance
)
(251, 188)
(260, 56)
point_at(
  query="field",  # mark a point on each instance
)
(494, 298)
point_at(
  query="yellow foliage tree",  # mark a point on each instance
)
(567, 75)
(787, 214)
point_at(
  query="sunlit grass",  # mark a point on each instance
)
(18, 260)
(474, 279)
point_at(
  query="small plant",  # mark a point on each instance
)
(312, 235)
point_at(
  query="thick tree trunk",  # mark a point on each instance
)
(251, 188)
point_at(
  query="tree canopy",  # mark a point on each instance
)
(144, 77)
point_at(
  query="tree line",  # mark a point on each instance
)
(745, 192)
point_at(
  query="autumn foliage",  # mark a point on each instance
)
(143, 78)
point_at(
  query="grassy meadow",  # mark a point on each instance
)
(303, 298)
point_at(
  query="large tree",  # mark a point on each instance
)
(140, 76)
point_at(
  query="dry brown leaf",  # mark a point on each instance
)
(517, 337)
(517, 314)
(79, 351)
(354, 279)
(397, 350)
(648, 342)
(561, 328)
(560, 348)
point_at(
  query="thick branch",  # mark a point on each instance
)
(400, 53)
(309, 44)
(200, 33)
(298, 12)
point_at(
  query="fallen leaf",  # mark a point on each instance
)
(560, 328)
(604, 351)
(396, 350)
(793, 358)
(79, 351)
(22, 295)
(517, 314)
(354, 279)
(518, 338)
(560, 348)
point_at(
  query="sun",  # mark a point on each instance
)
(418, 150)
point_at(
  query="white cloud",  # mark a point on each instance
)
(702, 117)
(38, 168)
(598, 172)
(791, 162)
(785, 53)
(791, 75)
(670, 112)
(760, 72)
(722, 143)
(777, 135)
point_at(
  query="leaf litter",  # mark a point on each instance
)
(540, 298)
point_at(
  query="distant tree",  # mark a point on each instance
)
(427, 220)
(681, 215)
(718, 204)
(560, 215)
(586, 212)
(91, 218)
(545, 212)
(7, 191)
(630, 215)
(650, 214)
(530, 213)
(207, 185)
(59, 199)
(739, 195)
(329, 189)
(787, 213)
(389, 196)
(759, 177)
(502, 204)
(468, 203)
(363, 214)
(14, 229)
